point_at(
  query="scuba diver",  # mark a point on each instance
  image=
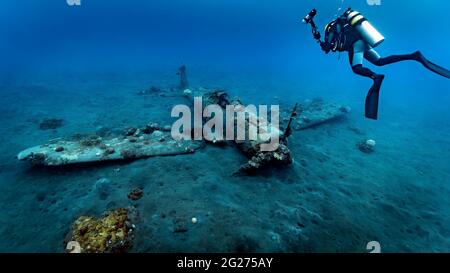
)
(352, 32)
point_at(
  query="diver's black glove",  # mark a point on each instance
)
(316, 35)
(326, 47)
(342, 20)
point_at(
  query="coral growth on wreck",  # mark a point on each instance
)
(37, 158)
(129, 154)
(92, 140)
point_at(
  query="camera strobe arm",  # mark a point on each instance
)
(315, 31)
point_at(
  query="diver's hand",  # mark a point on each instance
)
(342, 20)
(326, 47)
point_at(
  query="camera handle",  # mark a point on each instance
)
(315, 31)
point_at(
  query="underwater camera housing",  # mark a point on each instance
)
(309, 19)
(310, 16)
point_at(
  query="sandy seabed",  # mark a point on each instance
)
(334, 198)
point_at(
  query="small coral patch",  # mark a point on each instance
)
(109, 234)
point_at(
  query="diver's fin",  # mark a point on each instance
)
(431, 66)
(373, 97)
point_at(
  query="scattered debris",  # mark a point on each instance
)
(50, 123)
(367, 146)
(111, 233)
(136, 194)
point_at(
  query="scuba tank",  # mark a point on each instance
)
(368, 33)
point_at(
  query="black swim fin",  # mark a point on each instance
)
(372, 98)
(418, 56)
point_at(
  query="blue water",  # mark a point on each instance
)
(86, 64)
